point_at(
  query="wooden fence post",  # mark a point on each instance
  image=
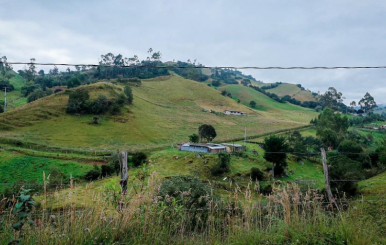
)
(124, 171)
(326, 179)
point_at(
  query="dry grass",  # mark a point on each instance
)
(287, 216)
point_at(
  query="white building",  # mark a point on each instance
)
(235, 113)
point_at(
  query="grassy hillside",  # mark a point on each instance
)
(14, 98)
(16, 167)
(294, 91)
(165, 111)
(266, 104)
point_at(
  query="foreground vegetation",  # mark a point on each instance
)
(157, 214)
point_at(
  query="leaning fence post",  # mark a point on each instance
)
(326, 179)
(124, 171)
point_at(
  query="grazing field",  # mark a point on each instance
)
(16, 167)
(293, 91)
(165, 111)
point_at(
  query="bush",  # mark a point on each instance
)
(129, 94)
(257, 174)
(189, 192)
(116, 109)
(78, 101)
(216, 83)
(74, 82)
(344, 168)
(223, 165)
(138, 158)
(93, 174)
(100, 105)
(37, 94)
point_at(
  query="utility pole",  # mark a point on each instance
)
(5, 99)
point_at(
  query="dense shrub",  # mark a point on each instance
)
(138, 158)
(223, 165)
(78, 101)
(37, 94)
(344, 168)
(190, 193)
(100, 105)
(129, 94)
(93, 174)
(257, 174)
(73, 82)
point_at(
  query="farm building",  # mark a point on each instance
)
(382, 127)
(231, 148)
(235, 113)
(203, 148)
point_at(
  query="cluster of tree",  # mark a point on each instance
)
(226, 93)
(246, 82)
(350, 160)
(113, 166)
(112, 66)
(272, 85)
(79, 102)
(190, 73)
(370, 117)
(334, 100)
(227, 76)
(302, 88)
(6, 74)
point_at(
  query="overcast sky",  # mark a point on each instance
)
(216, 33)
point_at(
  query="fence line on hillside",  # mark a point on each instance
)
(266, 206)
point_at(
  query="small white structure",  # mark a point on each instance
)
(382, 127)
(203, 147)
(235, 113)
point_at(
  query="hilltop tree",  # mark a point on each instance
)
(275, 152)
(5, 67)
(207, 132)
(331, 128)
(353, 104)
(367, 103)
(246, 82)
(331, 98)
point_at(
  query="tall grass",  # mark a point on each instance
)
(287, 216)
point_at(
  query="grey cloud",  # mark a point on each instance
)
(217, 33)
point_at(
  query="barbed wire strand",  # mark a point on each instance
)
(202, 67)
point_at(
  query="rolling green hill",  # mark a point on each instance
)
(165, 111)
(264, 103)
(294, 91)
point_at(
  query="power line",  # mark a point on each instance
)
(209, 67)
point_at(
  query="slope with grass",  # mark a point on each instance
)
(165, 111)
(292, 90)
(15, 98)
(16, 167)
(267, 106)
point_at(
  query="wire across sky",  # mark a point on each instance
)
(209, 67)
